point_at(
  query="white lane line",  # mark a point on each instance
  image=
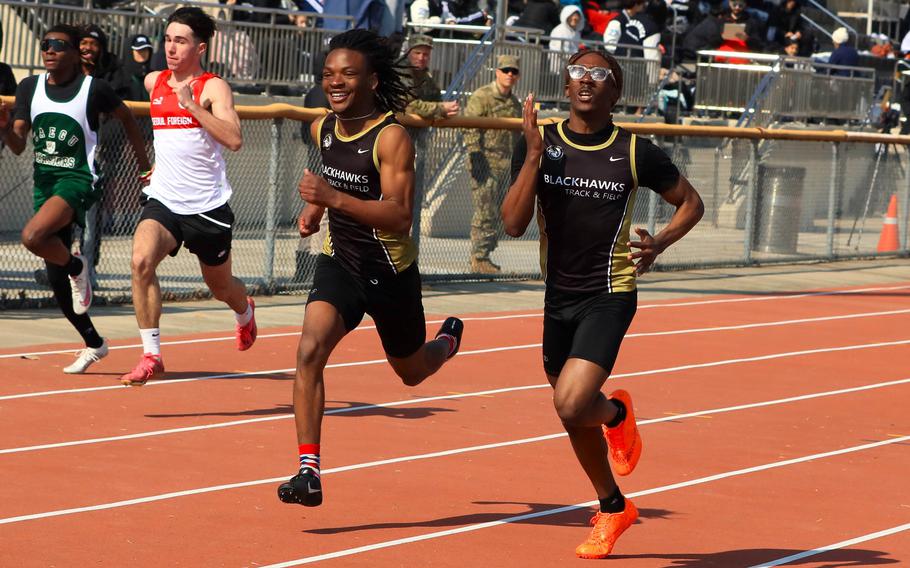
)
(413, 401)
(492, 318)
(260, 336)
(835, 546)
(443, 453)
(478, 351)
(556, 511)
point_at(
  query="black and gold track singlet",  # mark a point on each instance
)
(351, 165)
(585, 199)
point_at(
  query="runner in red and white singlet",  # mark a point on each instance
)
(186, 201)
(189, 176)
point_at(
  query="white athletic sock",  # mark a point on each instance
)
(151, 340)
(245, 317)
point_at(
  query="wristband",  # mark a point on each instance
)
(146, 175)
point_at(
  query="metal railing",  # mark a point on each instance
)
(821, 216)
(804, 88)
(273, 50)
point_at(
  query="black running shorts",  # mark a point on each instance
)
(207, 235)
(394, 302)
(585, 326)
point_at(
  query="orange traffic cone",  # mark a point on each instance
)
(888, 240)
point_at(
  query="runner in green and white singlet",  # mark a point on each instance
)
(61, 108)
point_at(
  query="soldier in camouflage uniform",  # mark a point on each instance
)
(490, 152)
(428, 96)
(427, 104)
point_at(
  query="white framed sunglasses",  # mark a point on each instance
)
(598, 74)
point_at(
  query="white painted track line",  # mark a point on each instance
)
(684, 331)
(556, 511)
(835, 546)
(443, 453)
(492, 318)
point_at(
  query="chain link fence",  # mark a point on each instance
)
(765, 201)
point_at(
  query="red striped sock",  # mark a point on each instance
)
(309, 457)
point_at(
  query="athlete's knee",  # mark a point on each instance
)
(33, 237)
(570, 408)
(142, 267)
(311, 352)
(410, 377)
(220, 290)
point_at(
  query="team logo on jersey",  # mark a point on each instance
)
(554, 152)
(327, 141)
(157, 100)
(50, 147)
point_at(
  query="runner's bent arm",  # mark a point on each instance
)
(311, 216)
(134, 136)
(396, 173)
(222, 122)
(518, 205)
(689, 210)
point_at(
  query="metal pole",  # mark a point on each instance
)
(271, 203)
(905, 216)
(715, 193)
(652, 207)
(869, 20)
(833, 188)
(752, 193)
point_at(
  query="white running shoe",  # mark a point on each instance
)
(82, 288)
(85, 359)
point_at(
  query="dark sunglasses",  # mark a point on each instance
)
(510, 71)
(54, 44)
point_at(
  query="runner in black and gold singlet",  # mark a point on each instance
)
(584, 173)
(369, 265)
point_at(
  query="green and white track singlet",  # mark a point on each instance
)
(64, 142)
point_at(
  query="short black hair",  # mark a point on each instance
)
(392, 94)
(612, 63)
(202, 24)
(73, 32)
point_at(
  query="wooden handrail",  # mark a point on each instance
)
(284, 110)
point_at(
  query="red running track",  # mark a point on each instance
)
(774, 427)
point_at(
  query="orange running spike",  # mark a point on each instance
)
(607, 528)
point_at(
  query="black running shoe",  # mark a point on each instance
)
(305, 489)
(454, 327)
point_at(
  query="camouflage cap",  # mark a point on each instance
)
(418, 40)
(506, 61)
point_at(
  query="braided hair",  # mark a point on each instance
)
(392, 94)
(612, 63)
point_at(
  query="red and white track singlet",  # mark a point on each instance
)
(189, 175)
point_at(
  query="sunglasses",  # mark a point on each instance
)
(598, 74)
(54, 44)
(510, 71)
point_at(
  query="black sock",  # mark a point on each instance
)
(615, 503)
(74, 266)
(56, 275)
(620, 414)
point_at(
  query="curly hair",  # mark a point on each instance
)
(392, 94)
(612, 63)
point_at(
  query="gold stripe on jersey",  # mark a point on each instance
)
(327, 243)
(622, 270)
(542, 229)
(363, 132)
(399, 249)
(562, 134)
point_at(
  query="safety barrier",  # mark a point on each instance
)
(831, 209)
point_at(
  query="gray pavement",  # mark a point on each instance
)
(19, 328)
